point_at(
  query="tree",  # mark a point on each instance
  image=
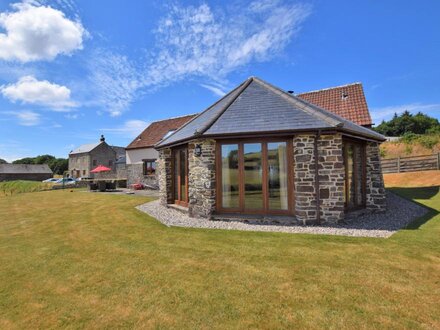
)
(27, 160)
(2, 161)
(57, 165)
(407, 123)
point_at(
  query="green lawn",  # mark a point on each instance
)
(80, 260)
(8, 188)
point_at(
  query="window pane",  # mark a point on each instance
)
(183, 175)
(229, 155)
(277, 175)
(350, 181)
(253, 176)
(358, 168)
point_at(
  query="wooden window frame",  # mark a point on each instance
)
(145, 171)
(265, 188)
(177, 199)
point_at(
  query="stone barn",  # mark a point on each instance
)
(88, 156)
(262, 152)
(11, 172)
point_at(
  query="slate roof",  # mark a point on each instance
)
(24, 169)
(347, 101)
(256, 106)
(120, 151)
(85, 148)
(157, 130)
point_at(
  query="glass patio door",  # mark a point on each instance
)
(254, 177)
(354, 158)
(180, 167)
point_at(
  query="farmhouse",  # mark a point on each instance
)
(88, 156)
(141, 155)
(347, 101)
(262, 151)
(11, 172)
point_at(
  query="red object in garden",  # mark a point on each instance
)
(137, 186)
(100, 168)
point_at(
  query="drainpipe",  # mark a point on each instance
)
(317, 185)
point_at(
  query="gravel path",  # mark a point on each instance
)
(400, 212)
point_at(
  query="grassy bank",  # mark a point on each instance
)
(17, 187)
(97, 262)
(412, 179)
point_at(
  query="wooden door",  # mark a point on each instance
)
(180, 169)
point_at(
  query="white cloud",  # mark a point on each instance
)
(131, 128)
(29, 90)
(25, 117)
(386, 113)
(36, 32)
(116, 81)
(196, 41)
(216, 90)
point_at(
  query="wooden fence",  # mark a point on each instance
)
(411, 164)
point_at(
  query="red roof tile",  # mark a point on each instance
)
(346, 101)
(156, 131)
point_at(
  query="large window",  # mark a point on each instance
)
(277, 175)
(354, 156)
(254, 177)
(149, 167)
(230, 175)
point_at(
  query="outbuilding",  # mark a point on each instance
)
(11, 172)
(260, 151)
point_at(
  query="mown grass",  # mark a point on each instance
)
(81, 260)
(22, 186)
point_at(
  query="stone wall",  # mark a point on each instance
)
(202, 181)
(304, 178)
(121, 171)
(375, 194)
(331, 178)
(135, 174)
(164, 171)
(79, 162)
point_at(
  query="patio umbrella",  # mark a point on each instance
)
(100, 168)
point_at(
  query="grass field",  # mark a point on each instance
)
(19, 187)
(80, 260)
(413, 179)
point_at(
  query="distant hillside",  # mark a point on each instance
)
(411, 145)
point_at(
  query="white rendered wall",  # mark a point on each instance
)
(135, 156)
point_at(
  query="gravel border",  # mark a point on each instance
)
(400, 212)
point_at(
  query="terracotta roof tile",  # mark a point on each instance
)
(346, 101)
(156, 131)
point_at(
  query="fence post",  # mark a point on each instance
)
(398, 164)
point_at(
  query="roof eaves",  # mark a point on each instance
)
(163, 143)
(241, 88)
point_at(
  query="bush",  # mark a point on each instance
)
(429, 141)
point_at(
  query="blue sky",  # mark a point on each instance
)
(72, 70)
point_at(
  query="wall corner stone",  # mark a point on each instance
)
(164, 168)
(375, 188)
(202, 179)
